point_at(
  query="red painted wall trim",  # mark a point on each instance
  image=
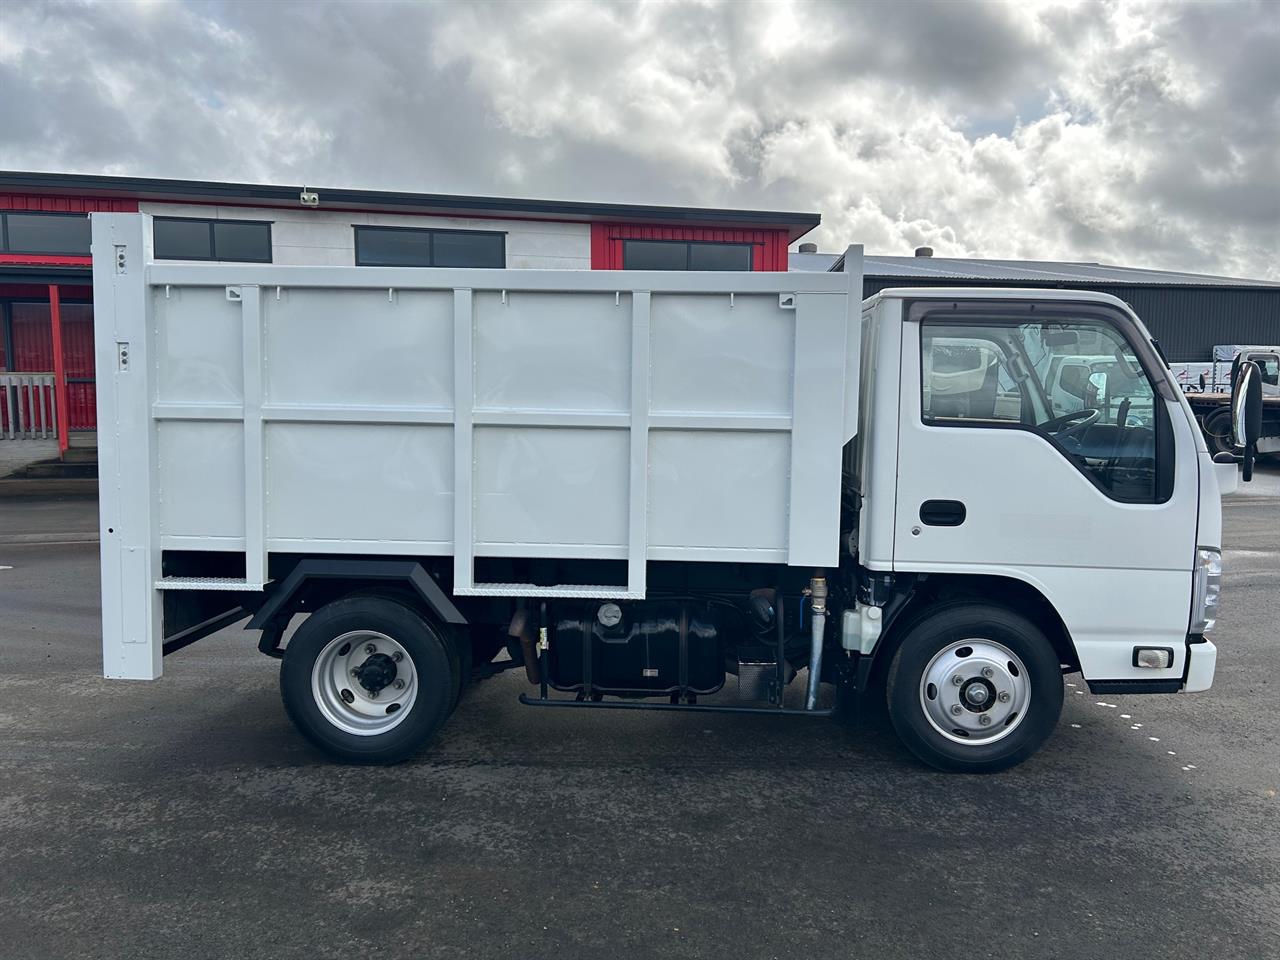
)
(769, 247)
(46, 260)
(30, 202)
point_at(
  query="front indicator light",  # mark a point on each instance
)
(1153, 658)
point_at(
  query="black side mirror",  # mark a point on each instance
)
(1246, 413)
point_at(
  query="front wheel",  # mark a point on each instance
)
(368, 680)
(974, 688)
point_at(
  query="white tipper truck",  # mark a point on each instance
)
(635, 486)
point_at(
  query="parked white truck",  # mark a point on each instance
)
(634, 485)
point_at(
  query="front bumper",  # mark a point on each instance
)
(1202, 660)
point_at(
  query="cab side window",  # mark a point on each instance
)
(1077, 383)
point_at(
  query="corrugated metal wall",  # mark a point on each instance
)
(769, 247)
(22, 201)
(1187, 321)
(33, 352)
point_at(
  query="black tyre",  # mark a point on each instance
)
(1217, 432)
(974, 688)
(368, 680)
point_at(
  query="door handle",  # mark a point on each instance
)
(942, 513)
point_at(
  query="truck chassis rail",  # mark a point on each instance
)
(529, 701)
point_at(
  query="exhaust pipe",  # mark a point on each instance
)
(818, 609)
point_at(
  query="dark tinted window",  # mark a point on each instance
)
(249, 242)
(684, 255)
(468, 250)
(182, 239)
(719, 256)
(414, 247)
(376, 247)
(46, 233)
(654, 255)
(245, 241)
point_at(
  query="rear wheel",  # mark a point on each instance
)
(974, 688)
(368, 680)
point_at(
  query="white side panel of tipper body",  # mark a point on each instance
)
(127, 473)
(480, 413)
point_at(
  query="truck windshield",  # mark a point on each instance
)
(1078, 383)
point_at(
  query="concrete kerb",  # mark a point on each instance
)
(49, 488)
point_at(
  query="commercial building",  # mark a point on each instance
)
(46, 297)
(1187, 313)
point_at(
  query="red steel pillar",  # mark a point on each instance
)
(59, 370)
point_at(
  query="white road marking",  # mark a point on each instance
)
(1154, 739)
(3, 567)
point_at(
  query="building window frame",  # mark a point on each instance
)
(430, 234)
(4, 231)
(688, 250)
(210, 222)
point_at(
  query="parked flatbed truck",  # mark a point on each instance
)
(1208, 390)
(634, 486)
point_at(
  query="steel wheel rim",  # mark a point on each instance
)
(345, 701)
(992, 693)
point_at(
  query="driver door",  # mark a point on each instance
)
(1095, 505)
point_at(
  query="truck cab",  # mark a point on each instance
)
(1106, 513)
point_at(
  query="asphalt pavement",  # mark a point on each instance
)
(186, 818)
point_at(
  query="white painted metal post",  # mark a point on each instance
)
(463, 448)
(813, 536)
(132, 645)
(853, 344)
(638, 525)
(255, 530)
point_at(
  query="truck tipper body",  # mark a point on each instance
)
(673, 491)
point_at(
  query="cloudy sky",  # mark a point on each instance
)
(1134, 133)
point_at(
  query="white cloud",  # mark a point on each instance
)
(1134, 133)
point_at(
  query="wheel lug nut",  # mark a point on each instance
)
(355, 673)
(957, 709)
(987, 672)
(1004, 696)
(957, 679)
(398, 684)
(984, 720)
(370, 649)
(397, 656)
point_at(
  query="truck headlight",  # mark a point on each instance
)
(1206, 589)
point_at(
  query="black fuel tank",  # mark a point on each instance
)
(657, 647)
